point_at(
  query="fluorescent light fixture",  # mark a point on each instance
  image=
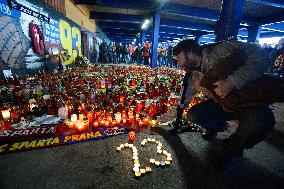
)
(145, 24)
(244, 24)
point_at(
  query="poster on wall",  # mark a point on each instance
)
(30, 32)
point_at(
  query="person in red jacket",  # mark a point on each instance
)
(146, 53)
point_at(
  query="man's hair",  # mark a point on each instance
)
(187, 45)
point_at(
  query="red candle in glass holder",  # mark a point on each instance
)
(86, 124)
(96, 124)
(6, 125)
(130, 113)
(131, 119)
(172, 100)
(81, 117)
(108, 117)
(124, 121)
(106, 123)
(138, 107)
(123, 114)
(141, 123)
(113, 123)
(146, 121)
(131, 136)
(90, 116)
(121, 98)
(80, 126)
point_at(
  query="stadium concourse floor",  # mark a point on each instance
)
(97, 164)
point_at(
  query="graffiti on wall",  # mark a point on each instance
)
(25, 40)
(70, 37)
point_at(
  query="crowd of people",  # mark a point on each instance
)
(139, 54)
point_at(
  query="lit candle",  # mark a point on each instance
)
(124, 121)
(121, 98)
(74, 118)
(96, 124)
(6, 114)
(138, 107)
(148, 169)
(131, 119)
(81, 117)
(135, 169)
(142, 171)
(90, 116)
(80, 126)
(137, 117)
(70, 124)
(131, 136)
(141, 123)
(118, 117)
(130, 113)
(86, 124)
(113, 122)
(153, 123)
(123, 114)
(146, 121)
(107, 123)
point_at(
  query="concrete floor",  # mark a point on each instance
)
(97, 164)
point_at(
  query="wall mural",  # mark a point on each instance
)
(25, 39)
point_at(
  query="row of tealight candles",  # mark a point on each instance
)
(80, 123)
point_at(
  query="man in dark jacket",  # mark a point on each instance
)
(218, 70)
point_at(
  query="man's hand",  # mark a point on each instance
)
(223, 87)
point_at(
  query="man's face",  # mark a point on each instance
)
(193, 60)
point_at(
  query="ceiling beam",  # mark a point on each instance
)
(186, 25)
(114, 17)
(109, 30)
(116, 25)
(271, 34)
(120, 34)
(274, 3)
(136, 5)
(274, 26)
(190, 11)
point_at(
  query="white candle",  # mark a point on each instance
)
(74, 118)
(135, 169)
(118, 117)
(136, 164)
(142, 171)
(6, 114)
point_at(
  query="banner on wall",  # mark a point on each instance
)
(28, 11)
(51, 141)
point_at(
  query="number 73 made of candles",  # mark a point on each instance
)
(139, 171)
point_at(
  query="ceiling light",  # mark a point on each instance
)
(145, 24)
